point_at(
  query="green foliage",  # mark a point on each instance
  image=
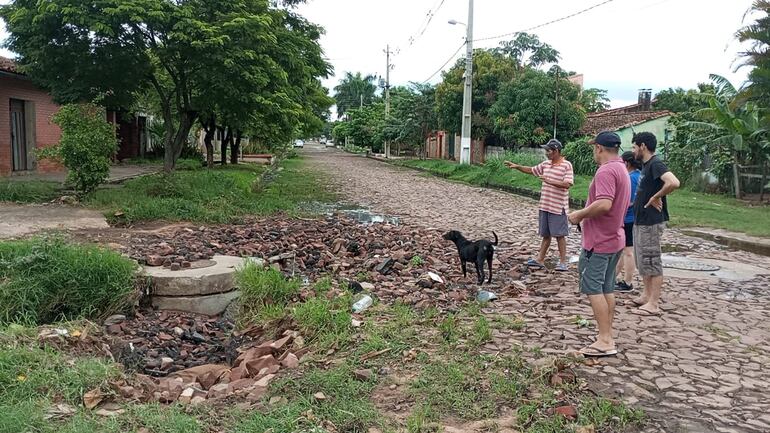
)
(680, 100)
(524, 111)
(261, 288)
(325, 321)
(354, 91)
(220, 195)
(45, 280)
(594, 100)
(527, 51)
(28, 191)
(581, 155)
(254, 63)
(29, 373)
(87, 143)
(416, 261)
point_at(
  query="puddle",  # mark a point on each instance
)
(688, 264)
(357, 213)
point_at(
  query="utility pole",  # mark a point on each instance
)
(465, 141)
(388, 67)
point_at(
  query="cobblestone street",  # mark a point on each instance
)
(703, 366)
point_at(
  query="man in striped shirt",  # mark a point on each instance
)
(558, 177)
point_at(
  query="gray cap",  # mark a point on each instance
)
(553, 144)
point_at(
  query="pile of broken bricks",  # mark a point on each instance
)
(248, 378)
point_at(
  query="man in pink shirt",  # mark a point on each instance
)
(603, 237)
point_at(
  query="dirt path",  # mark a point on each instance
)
(701, 367)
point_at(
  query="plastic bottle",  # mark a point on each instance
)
(362, 304)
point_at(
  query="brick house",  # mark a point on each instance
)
(25, 122)
(25, 125)
(444, 145)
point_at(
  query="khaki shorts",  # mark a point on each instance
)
(647, 249)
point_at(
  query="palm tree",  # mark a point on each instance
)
(354, 91)
(733, 123)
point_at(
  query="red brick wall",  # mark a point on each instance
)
(47, 133)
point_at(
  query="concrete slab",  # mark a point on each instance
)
(210, 305)
(20, 220)
(734, 271)
(732, 239)
(217, 278)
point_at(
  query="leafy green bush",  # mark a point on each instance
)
(47, 280)
(87, 143)
(581, 155)
(189, 164)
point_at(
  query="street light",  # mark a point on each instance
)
(465, 140)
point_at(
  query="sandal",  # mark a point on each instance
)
(595, 352)
(642, 312)
(532, 263)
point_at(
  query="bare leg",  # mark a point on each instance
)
(653, 294)
(628, 264)
(645, 296)
(603, 307)
(562, 243)
(544, 245)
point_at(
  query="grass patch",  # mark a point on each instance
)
(218, 195)
(28, 191)
(347, 405)
(28, 374)
(687, 208)
(45, 280)
(265, 293)
(325, 321)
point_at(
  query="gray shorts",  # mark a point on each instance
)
(597, 272)
(553, 225)
(647, 249)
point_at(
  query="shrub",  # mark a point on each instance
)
(581, 155)
(86, 145)
(47, 280)
(325, 321)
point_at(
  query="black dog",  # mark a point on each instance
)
(475, 252)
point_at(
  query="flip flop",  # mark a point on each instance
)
(642, 312)
(534, 264)
(637, 303)
(595, 352)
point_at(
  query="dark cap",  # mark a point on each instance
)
(607, 139)
(553, 144)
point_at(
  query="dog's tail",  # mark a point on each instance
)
(495, 238)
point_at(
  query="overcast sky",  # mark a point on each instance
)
(621, 46)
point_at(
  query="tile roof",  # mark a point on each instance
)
(604, 121)
(8, 65)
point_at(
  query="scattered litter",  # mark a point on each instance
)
(435, 277)
(485, 296)
(362, 304)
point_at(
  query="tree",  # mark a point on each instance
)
(733, 125)
(354, 91)
(680, 100)
(491, 69)
(594, 100)
(525, 108)
(413, 115)
(757, 55)
(528, 51)
(259, 63)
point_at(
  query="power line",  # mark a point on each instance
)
(580, 12)
(445, 63)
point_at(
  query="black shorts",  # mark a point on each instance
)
(629, 229)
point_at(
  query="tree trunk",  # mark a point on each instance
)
(762, 185)
(186, 122)
(235, 147)
(211, 128)
(223, 145)
(168, 138)
(736, 176)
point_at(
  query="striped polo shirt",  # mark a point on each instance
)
(553, 199)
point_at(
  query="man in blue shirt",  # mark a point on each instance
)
(626, 263)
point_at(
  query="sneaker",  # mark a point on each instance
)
(561, 267)
(622, 286)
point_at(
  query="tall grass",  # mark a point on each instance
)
(28, 191)
(44, 280)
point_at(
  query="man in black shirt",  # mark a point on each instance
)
(650, 216)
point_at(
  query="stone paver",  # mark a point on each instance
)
(703, 366)
(21, 220)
